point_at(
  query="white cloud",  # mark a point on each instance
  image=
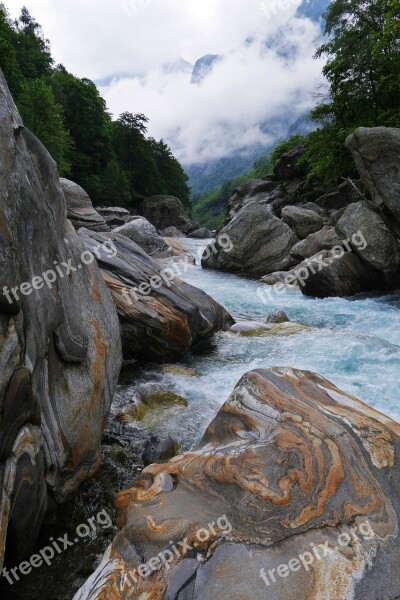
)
(135, 38)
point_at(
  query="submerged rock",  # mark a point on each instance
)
(260, 329)
(279, 316)
(151, 396)
(161, 317)
(60, 349)
(290, 466)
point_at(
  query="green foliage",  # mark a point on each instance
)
(44, 117)
(110, 160)
(363, 73)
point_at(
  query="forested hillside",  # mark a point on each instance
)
(111, 159)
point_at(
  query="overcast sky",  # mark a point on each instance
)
(132, 41)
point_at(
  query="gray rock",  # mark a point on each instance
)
(376, 152)
(381, 249)
(161, 317)
(201, 234)
(291, 464)
(261, 244)
(302, 221)
(80, 208)
(172, 232)
(147, 237)
(166, 211)
(278, 316)
(60, 348)
(325, 239)
(341, 196)
(115, 216)
(344, 277)
(287, 166)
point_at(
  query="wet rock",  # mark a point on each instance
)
(179, 370)
(325, 239)
(279, 316)
(60, 349)
(151, 396)
(80, 208)
(303, 222)
(159, 449)
(260, 329)
(261, 243)
(290, 464)
(161, 317)
(344, 277)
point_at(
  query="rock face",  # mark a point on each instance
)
(147, 237)
(261, 243)
(325, 239)
(164, 212)
(381, 249)
(80, 208)
(376, 152)
(290, 466)
(303, 222)
(161, 317)
(60, 350)
(201, 234)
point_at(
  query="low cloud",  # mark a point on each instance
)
(267, 72)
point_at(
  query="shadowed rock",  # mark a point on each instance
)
(290, 464)
(161, 317)
(60, 352)
(303, 222)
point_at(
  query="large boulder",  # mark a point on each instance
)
(166, 211)
(260, 243)
(293, 492)
(147, 237)
(201, 234)
(376, 152)
(343, 277)
(161, 317)
(115, 216)
(80, 208)
(325, 239)
(287, 167)
(341, 196)
(304, 222)
(60, 349)
(381, 249)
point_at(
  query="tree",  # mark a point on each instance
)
(173, 178)
(44, 117)
(8, 55)
(32, 49)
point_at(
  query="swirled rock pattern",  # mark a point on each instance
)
(293, 464)
(161, 317)
(60, 351)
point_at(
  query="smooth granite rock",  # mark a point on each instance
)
(60, 348)
(325, 239)
(161, 317)
(261, 243)
(290, 466)
(376, 152)
(80, 208)
(147, 237)
(303, 222)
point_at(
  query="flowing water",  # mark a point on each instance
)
(353, 342)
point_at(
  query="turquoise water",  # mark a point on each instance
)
(354, 343)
